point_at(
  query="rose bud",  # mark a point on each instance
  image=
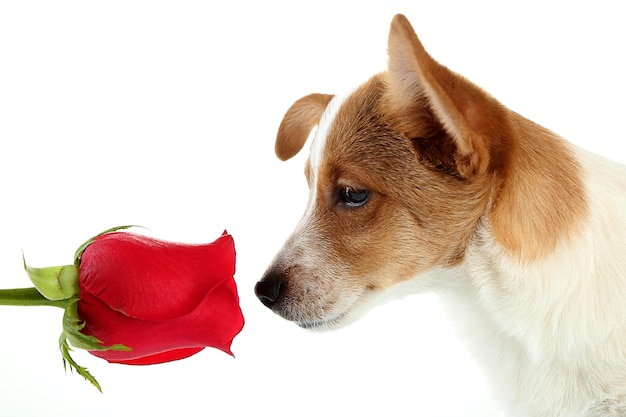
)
(137, 300)
(165, 301)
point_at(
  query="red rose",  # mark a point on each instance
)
(137, 300)
(165, 301)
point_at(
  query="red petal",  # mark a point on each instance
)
(172, 355)
(152, 279)
(214, 322)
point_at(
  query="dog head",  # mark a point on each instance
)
(400, 171)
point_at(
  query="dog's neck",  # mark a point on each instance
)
(558, 311)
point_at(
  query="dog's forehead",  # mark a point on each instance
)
(319, 140)
(344, 116)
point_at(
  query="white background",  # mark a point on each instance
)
(164, 114)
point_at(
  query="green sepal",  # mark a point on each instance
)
(68, 360)
(81, 248)
(72, 326)
(55, 282)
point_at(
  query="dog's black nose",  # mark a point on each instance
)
(269, 289)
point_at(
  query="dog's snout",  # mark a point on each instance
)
(270, 288)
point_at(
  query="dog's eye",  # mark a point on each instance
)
(353, 198)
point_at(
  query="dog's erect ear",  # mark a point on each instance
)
(297, 123)
(467, 113)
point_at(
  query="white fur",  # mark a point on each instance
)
(319, 144)
(319, 138)
(552, 335)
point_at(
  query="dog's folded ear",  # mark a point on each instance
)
(471, 117)
(297, 123)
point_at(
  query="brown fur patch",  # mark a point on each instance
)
(542, 199)
(537, 186)
(419, 215)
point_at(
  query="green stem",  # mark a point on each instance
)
(27, 297)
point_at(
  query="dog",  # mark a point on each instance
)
(420, 179)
